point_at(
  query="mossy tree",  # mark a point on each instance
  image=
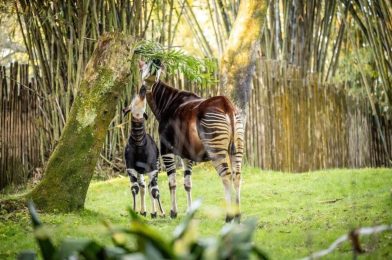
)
(239, 58)
(71, 165)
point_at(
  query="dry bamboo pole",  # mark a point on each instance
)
(225, 16)
(223, 34)
(273, 122)
(218, 38)
(263, 101)
(82, 31)
(12, 121)
(169, 27)
(2, 127)
(3, 124)
(8, 124)
(196, 29)
(256, 86)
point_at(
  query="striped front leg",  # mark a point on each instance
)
(188, 180)
(170, 166)
(132, 173)
(154, 192)
(142, 185)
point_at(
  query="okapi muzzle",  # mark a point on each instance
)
(151, 71)
(138, 105)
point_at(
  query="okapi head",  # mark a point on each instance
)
(151, 71)
(138, 106)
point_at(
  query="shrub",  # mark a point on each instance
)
(233, 242)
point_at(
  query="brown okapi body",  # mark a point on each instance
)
(197, 130)
(180, 114)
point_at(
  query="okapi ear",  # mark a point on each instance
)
(145, 116)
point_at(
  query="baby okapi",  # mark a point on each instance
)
(142, 156)
(197, 129)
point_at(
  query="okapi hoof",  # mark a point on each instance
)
(154, 215)
(163, 216)
(173, 214)
(143, 213)
(229, 218)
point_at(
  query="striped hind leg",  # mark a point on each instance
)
(215, 135)
(236, 162)
(221, 164)
(236, 177)
(188, 180)
(170, 166)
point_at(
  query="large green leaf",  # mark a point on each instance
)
(34, 215)
(144, 234)
(27, 255)
(75, 247)
(236, 240)
(134, 256)
(151, 252)
(115, 253)
(41, 234)
(260, 254)
(181, 229)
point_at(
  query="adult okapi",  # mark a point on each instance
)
(196, 129)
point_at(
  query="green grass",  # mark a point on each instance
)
(298, 213)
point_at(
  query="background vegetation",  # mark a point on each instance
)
(343, 42)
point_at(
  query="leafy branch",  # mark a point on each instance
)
(175, 60)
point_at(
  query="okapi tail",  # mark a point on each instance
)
(232, 148)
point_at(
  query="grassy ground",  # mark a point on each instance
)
(297, 213)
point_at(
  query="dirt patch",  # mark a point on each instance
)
(12, 205)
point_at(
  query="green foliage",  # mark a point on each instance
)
(175, 60)
(234, 242)
(350, 67)
(349, 73)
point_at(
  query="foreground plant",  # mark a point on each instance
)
(234, 242)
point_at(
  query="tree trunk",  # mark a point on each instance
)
(238, 61)
(71, 166)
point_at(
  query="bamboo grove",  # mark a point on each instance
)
(318, 37)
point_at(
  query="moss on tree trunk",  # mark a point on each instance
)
(238, 61)
(71, 165)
